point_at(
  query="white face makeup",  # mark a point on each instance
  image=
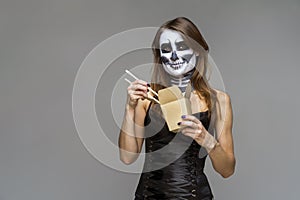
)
(177, 58)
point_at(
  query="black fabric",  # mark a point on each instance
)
(181, 176)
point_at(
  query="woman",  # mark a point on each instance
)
(180, 58)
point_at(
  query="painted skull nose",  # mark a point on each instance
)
(174, 56)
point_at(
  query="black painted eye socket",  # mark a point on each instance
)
(181, 46)
(166, 48)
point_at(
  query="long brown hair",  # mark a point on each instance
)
(195, 40)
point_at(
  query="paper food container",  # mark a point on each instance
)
(174, 105)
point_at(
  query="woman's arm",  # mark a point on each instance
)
(222, 153)
(131, 133)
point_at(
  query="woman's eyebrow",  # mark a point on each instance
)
(180, 42)
(166, 44)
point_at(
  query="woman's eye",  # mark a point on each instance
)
(166, 50)
(183, 47)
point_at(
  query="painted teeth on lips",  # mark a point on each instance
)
(177, 63)
(176, 66)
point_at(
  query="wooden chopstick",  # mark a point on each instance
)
(136, 78)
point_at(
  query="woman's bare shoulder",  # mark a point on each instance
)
(223, 97)
(224, 108)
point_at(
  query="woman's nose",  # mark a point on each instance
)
(174, 56)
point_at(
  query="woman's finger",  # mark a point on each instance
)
(135, 97)
(140, 93)
(196, 134)
(191, 130)
(189, 124)
(190, 134)
(141, 82)
(191, 118)
(137, 87)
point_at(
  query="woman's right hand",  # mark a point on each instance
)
(135, 91)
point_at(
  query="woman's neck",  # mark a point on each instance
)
(182, 81)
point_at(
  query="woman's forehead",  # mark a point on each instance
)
(170, 36)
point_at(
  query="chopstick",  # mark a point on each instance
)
(136, 78)
(150, 98)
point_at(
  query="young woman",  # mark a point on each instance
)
(174, 162)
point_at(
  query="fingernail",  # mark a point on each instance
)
(183, 116)
(178, 123)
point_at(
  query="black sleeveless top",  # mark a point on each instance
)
(173, 167)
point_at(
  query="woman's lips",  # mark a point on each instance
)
(176, 65)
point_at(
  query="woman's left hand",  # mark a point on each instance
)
(192, 127)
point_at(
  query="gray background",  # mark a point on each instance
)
(254, 43)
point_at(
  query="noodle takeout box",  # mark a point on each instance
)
(173, 105)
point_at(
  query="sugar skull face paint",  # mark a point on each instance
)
(177, 57)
